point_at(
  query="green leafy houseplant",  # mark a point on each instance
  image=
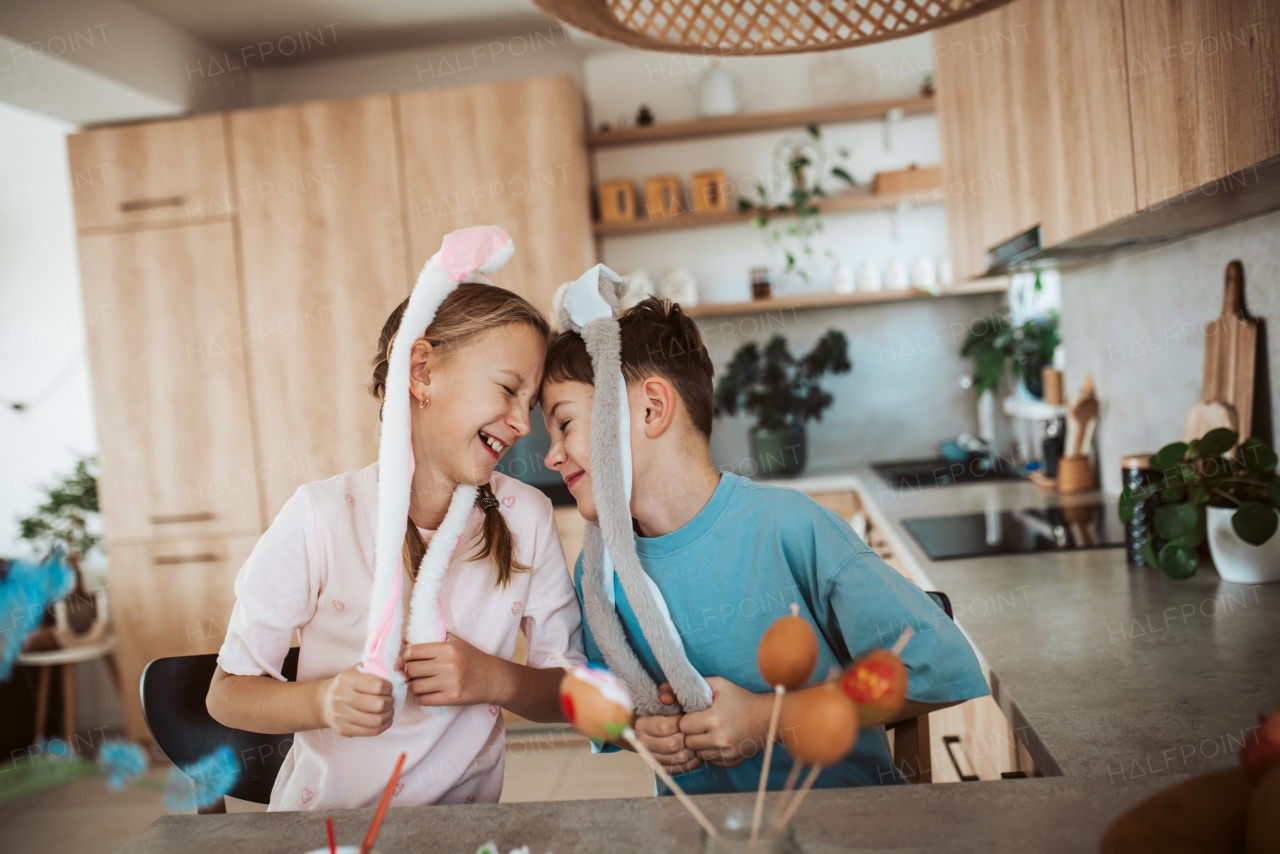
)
(803, 160)
(1026, 349)
(67, 521)
(776, 387)
(1204, 473)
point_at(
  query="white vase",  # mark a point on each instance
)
(1236, 560)
(842, 281)
(869, 277)
(895, 275)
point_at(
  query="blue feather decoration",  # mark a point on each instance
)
(26, 589)
(202, 783)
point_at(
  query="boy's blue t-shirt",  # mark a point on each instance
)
(739, 564)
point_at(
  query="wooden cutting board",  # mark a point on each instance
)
(1230, 360)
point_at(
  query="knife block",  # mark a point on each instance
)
(1075, 474)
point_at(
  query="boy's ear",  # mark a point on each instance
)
(659, 399)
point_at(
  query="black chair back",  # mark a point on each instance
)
(173, 704)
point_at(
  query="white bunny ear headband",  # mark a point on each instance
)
(589, 307)
(466, 255)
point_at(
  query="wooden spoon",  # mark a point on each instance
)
(1082, 410)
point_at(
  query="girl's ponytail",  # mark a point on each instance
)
(469, 310)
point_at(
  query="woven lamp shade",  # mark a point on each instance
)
(758, 27)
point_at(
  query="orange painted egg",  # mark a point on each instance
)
(788, 652)
(877, 683)
(818, 725)
(595, 703)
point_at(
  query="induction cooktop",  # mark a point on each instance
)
(1035, 529)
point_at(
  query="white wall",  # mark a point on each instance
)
(42, 322)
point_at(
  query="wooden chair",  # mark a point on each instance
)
(911, 751)
(173, 704)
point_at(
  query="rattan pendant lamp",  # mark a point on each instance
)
(758, 27)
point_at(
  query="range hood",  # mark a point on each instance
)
(1244, 194)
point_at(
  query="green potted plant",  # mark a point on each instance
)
(1207, 492)
(1026, 349)
(68, 521)
(782, 392)
(803, 160)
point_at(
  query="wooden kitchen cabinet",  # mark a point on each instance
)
(1204, 90)
(143, 174)
(986, 745)
(170, 389)
(511, 154)
(324, 264)
(170, 599)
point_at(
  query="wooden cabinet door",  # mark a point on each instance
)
(172, 171)
(985, 79)
(169, 382)
(1083, 151)
(170, 599)
(1204, 91)
(508, 154)
(324, 264)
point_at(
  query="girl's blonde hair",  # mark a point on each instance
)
(467, 312)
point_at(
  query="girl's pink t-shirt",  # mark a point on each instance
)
(312, 571)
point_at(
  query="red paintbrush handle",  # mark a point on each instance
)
(369, 837)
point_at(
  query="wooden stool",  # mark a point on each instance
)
(67, 659)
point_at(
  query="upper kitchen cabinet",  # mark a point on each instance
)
(1204, 89)
(324, 264)
(169, 383)
(1082, 162)
(509, 153)
(150, 173)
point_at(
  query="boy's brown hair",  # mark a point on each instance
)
(658, 338)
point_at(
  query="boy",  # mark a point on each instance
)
(729, 557)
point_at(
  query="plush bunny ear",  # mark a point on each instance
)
(465, 256)
(558, 315)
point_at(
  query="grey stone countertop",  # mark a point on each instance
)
(1105, 670)
(1042, 815)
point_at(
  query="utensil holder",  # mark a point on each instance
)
(1075, 474)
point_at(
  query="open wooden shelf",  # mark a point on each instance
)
(854, 200)
(751, 122)
(829, 300)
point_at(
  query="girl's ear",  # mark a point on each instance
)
(422, 359)
(659, 398)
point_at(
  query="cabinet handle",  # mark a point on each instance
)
(178, 518)
(171, 560)
(949, 740)
(147, 204)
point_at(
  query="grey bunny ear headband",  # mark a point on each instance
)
(589, 307)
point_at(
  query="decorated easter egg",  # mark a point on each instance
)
(818, 725)
(877, 684)
(788, 652)
(595, 703)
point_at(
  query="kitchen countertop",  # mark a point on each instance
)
(1041, 815)
(1103, 669)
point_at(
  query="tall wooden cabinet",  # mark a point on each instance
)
(237, 270)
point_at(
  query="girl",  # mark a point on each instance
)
(472, 378)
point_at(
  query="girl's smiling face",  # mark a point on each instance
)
(478, 400)
(566, 407)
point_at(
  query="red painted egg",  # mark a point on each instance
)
(877, 683)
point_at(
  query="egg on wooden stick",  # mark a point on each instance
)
(877, 684)
(595, 703)
(819, 725)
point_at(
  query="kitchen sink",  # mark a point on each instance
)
(936, 471)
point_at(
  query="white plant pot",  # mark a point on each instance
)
(1236, 560)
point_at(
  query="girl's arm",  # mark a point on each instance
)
(352, 703)
(455, 673)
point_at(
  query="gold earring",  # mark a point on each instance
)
(422, 404)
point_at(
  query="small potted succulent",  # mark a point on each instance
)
(1212, 490)
(782, 392)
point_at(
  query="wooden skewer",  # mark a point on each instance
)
(378, 816)
(630, 735)
(902, 640)
(779, 690)
(785, 795)
(780, 820)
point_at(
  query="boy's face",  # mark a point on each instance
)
(566, 407)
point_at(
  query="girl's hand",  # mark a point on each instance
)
(733, 729)
(454, 673)
(357, 704)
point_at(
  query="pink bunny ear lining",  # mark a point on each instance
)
(467, 250)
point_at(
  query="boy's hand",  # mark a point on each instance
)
(357, 704)
(733, 730)
(662, 736)
(452, 673)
